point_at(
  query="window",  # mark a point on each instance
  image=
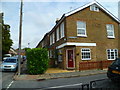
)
(57, 33)
(53, 35)
(81, 28)
(62, 30)
(50, 53)
(112, 54)
(52, 38)
(110, 31)
(85, 54)
(59, 55)
(94, 8)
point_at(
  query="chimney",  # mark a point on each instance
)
(119, 10)
(57, 20)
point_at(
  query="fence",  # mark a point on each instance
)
(94, 65)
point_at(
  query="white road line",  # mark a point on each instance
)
(65, 86)
(9, 85)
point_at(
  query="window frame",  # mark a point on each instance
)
(50, 54)
(57, 34)
(85, 35)
(60, 59)
(112, 51)
(62, 30)
(93, 8)
(85, 52)
(110, 30)
(52, 38)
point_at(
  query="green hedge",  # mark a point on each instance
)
(37, 60)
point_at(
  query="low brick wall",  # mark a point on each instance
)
(94, 65)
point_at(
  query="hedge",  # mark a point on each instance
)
(37, 60)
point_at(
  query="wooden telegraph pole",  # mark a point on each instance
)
(20, 36)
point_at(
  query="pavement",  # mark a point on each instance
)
(58, 75)
(54, 73)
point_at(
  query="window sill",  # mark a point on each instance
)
(111, 59)
(81, 36)
(86, 59)
(110, 37)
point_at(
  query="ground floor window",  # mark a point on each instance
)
(112, 54)
(59, 55)
(85, 54)
(50, 54)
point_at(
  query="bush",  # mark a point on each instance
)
(37, 60)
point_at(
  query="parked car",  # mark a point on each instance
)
(9, 64)
(114, 71)
(6, 56)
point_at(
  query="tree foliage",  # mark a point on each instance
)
(6, 41)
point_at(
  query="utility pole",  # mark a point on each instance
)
(20, 36)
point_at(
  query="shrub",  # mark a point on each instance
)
(37, 60)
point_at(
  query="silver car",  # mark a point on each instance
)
(10, 64)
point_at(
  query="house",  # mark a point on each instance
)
(89, 33)
(12, 51)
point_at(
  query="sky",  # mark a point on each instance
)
(39, 16)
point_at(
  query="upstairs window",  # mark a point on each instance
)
(110, 31)
(62, 30)
(58, 34)
(81, 28)
(52, 38)
(94, 8)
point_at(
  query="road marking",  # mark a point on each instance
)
(9, 85)
(64, 86)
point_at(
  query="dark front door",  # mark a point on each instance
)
(70, 59)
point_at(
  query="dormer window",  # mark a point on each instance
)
(94, 8)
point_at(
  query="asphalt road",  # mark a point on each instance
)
(7, 78)
(101, 81)
(75, 82)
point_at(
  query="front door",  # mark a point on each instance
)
(70, 58)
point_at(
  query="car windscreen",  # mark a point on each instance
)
(10, 60)
(116, 62)
(6, 56)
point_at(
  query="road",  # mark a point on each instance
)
(7, 78)
(74, 82)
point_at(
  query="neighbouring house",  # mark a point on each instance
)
(12, 52)
(21, 53)
(87, 34)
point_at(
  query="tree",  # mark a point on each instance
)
(6, 41)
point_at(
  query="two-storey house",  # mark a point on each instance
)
(89, 33)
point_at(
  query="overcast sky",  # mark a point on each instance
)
(39, 16)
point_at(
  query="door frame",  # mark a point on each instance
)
(67, 59)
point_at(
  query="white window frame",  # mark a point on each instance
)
(50, 54)
(60, 56)
(53, 35)
(112, 51)
(94, 8)
(83, 35)
(62, 30)
(85, 52)
(110, 30)
(52, 38)
(57, 34)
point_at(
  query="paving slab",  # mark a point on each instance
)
(58, 75)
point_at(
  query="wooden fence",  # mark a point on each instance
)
(94, 65)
